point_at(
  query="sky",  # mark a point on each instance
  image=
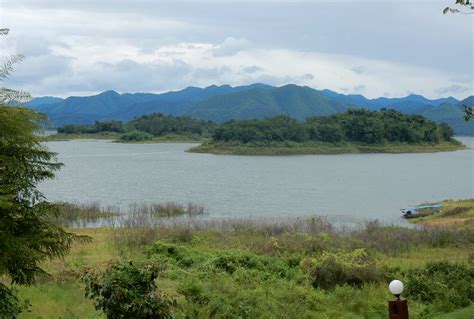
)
(374, 48)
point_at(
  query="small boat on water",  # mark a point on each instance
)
(420, 211)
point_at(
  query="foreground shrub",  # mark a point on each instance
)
(127, 291)
(331, 269)
(445, 285)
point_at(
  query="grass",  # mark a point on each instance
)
(58, 300)
(322, 148)
(459, 214)
(466, 313)
(248, 268)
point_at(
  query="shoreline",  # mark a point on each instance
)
(325, 149)
(115, 138)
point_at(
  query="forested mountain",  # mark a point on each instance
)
(112, 105)
(292, 100)
(222, 103)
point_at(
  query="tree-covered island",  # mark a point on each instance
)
(355, 131)
(149, 128)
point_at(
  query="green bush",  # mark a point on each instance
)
(332, 269)
(127, 291)
(136, 136)
(233, 260)
(445, 285)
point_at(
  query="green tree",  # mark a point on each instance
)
(27, 237)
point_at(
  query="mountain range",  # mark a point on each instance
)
(223, 103)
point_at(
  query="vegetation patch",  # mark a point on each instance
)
(331, 269)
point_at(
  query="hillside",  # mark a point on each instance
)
(292, 100)
(451, 115)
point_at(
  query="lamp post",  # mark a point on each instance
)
(397, 309)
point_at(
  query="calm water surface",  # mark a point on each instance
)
(364, 186)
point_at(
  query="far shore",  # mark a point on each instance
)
(115, 137)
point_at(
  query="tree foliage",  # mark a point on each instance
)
(127, 291)
(159, 124)
(156, 124)
(97, 127)
(357, 125)
(464, 4)
(26, 236)
(9, 96)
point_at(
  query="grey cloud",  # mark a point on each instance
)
(306, 77)
(128, 75)
(37, 68)
(453, 89)
(358, 69)
(252, 69)
(211, 73)
(359, 88)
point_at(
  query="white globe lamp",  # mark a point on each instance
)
(396, 288)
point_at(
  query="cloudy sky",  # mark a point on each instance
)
(375, 48)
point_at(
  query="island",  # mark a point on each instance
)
(150, 128)
(354, 131)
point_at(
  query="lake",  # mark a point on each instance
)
(364, 186)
